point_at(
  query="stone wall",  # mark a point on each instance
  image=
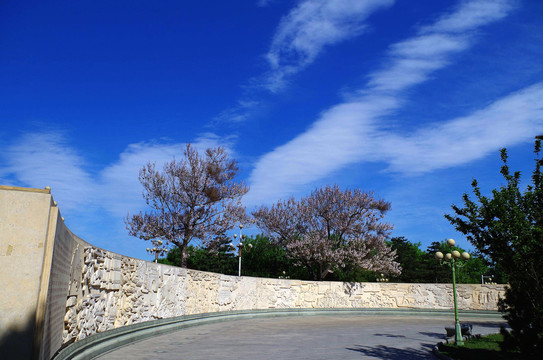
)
(67, 289)
(117, 291)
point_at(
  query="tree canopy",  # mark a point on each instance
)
(194, 198)
(331, 229)
(420, 266)
(507, 228)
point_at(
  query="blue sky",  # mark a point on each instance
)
(410, 99)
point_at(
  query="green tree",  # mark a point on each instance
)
(436, 272)
(265, 259)
(411, 259)
(507, 228)
(217, 257)
(172, 257)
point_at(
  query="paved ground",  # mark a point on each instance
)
(303, 337)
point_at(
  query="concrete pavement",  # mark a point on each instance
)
(304, 337)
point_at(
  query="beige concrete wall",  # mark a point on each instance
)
(24, 215)
(68, 289)
(57, 288)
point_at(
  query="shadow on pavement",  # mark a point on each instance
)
(433, 334)
(389, 352)
(391, 335)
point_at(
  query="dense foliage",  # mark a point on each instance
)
(195, 198)
(420, 266)
(331, 229)
(507, 228)
(263, 259)
(268, 259)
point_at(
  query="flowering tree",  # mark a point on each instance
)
(194, 198)
(332, 228)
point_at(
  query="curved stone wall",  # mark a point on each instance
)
(117, 291)
(85, 290)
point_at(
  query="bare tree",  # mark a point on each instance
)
(332, 228)
(194, 198)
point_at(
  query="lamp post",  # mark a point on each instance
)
(157, 249)
(452, 260)
(240, 246)
(489, 277)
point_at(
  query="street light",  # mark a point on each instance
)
(158, 249)
(489, 277)
(240, 246)
(452, 260)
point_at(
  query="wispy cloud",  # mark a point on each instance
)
(510, 120)
(263, 3)
(351, 132)
(334, 140)
(47, 159)
(238, 113)
(300, 37)
(309, 28)
(470, 15)
(119, 181)
(411, 61)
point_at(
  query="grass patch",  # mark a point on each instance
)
(485, 347)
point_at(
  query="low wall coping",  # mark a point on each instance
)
(18, 188)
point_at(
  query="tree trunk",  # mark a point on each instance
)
(183, 257)
(325, 272)
(312, 273)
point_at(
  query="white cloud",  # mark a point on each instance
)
(435, 45)
(121, 189)
(351, 132)
(510, 120)
(334, 140)
(238, 113)
(119, 181)
(413, 60)
(470, 15)
(308, 29)
(46, 159)
(300, 37)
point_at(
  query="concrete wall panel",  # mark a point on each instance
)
(24, 219)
